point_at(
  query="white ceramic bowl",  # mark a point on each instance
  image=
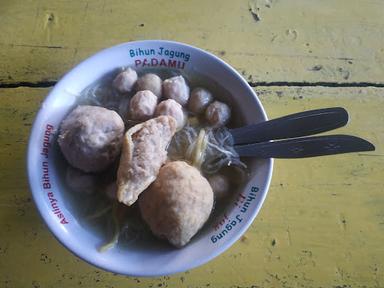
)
(46, 175)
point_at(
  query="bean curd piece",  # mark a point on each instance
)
(150, 82)
(171, 108)
(144, 152)
(177, 89)
(125, 80)
(178, 203)
(142, 105)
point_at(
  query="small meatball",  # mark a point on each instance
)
(90, 137)
(142, 105)
(177, 89)
(220, 186)
(144, 152)
(81, 182)
(199, 100)
(178, 203)
(150, 82)
(125, 80)
(171, 108)
(217, 114)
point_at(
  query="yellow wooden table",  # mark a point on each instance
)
(322, 224)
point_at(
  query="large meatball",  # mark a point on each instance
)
(125, 80)
(177, 89)
(142, 105)
(171, 108)
(178, 203)
(218, 114)
(150, 82)
(90, 137)
(199, 100)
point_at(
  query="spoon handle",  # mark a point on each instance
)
(290, 126)
(305, 147)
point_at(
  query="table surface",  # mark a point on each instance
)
(322, 224)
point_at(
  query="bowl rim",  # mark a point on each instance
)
(53, 226)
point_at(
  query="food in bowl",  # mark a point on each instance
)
(168, 173)
(81, 210)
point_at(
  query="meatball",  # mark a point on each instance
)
(81, 182)
(144, 152)
(90, 137)
(220, 185)
(199, 100)
(178, 203)
(142, 105)
(171, 108)
(177, 89)
(150, 82)
(125, 80)
(217, 114)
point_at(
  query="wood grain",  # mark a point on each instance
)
(303, 41)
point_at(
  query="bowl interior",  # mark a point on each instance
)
(151, 257)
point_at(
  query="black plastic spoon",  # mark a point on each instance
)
(295, 125)
(305, 147)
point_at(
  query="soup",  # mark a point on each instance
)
(201, 110)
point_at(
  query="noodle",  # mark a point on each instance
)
(99, 213)
(209, 149)
(116, 228)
